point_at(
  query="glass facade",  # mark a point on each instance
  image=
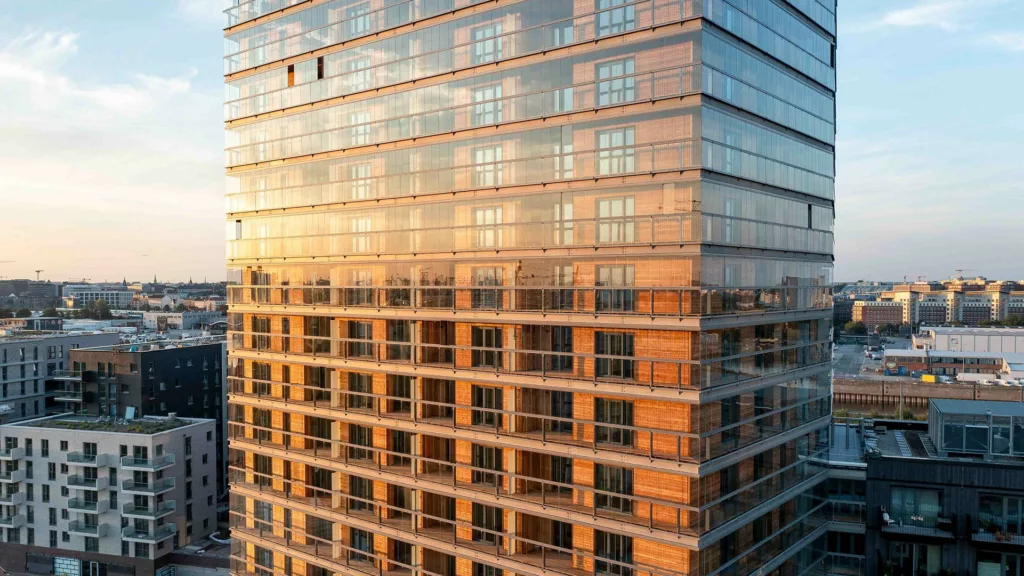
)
(531, 287)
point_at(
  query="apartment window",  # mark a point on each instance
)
(362, 386)
(730, 417)
(359, 131)
(487, 293)
(92, 544)
(619, 412)
(31, 536)
(487, 166)
(486, 43)
(399, 331)
(487, 105)
(914, 506)
(616, 294)
(615, 153)
(206, 480)
(486, 397)
(360, 436)
(615, 220)
(1001, 514)
(613, 480)
(487, 222)
(51, 471)
(63, 445)
(910, 558)
(357, 20)
(615, 84)
(362, 541)
(361, 334)
(487, 523)
(30, 491)
(261, 332)
(358, 74)
(616, 349)
(53, 517)
(614, 547)
(399, 387)
(485, 570)
(53, 538)
(487, 345)
(487, 458)
(361, 491)
(614, 18)
(141, 550)
(359, 181)
(46, 493)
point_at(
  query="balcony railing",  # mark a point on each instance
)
(86, 483)
(68, 395)
(86, 459)
(152, 511)
(12, 476)
(162, 532)
(83, 529)
(12, 454)
(151, 488)
(150, 464)
(654, 301)
(16, 521)
(12, 499)
(929, 525)
(88, 506)
(729, 368)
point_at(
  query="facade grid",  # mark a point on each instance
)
(530, 286)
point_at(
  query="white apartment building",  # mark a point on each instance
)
(27, 360)
(82, 295)
(87, 496)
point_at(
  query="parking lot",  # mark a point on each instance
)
(850, 361)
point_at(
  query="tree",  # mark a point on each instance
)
(855, 328)
(1013, 320)
(6, 313)
(50, 312)
(167, 307)
(99, 310)
(23, 313)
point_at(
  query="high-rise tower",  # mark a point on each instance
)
(530, 286)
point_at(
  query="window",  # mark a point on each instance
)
(487, 523)
(613, 298)
(63, 445)
(358, 21)
(486, 44)
(487, 105)
(918, 559)
(487, 166)
(915, 507)
(360, 436)
(363, 542)
(487, 458)
(53, 539)
(362, 386)
(615, 84)
(359, 181)
(484, 570)
(358, 74)
(618, 412)
(487, 298)
(399, 331)
(486, 397)
(360, 296)
(617, 347)
(616, 481)
(51, 471)
(618, 549)
(361, 490)
(361, 336)
(487, 345)
(613, 17)
(615, 153)
(487, 222)
(261, 332)
(1001, 514)
(46, 492)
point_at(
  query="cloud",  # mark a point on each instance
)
(203, 10)
(1010, 41)
(113, 168)
(948, 15)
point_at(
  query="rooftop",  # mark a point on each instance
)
(945, 406)
(7, 337)
(847, 443)
(159, 345)
(145, 425)
(958, 330)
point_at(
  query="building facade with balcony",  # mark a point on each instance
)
(86, 495)
(184, 377)
(530, 287)
(28, 360)
(949, 501)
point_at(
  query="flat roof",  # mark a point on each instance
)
(975, 407)
(1009, 357)
(32, 335)
(952, 330)
(152, 345)
(145, 425)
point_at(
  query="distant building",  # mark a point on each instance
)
(970, 302)
(35, 323)
(985, 365)
(949, 500)
(162, 321)
(82, 295)
(27, 360)
(184, 377)
(877, 313)
(842, 310)
(971, 339)
(126, 494)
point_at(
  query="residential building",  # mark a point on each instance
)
(30, 294)
(183, 377)
(83, 295)
(878, 313)
(530, 288)
(82, 495)
(180, 320)
(29, 359)
(949, 500)
(34, 323)
(970, 302)
(847, 493)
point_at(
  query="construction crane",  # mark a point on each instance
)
(960, 272)
(37, 274)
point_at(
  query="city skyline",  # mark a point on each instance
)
(117, 211)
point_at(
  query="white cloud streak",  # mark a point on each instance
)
(204, 10)
(1009, 41)
(948, 15)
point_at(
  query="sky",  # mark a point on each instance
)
(111, 139)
